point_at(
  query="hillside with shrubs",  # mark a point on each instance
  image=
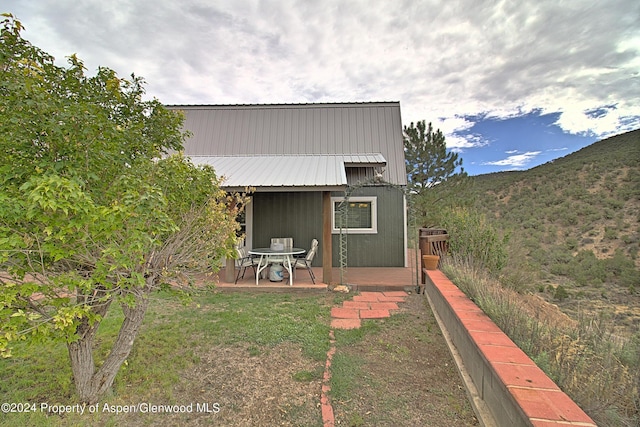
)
(574, 228)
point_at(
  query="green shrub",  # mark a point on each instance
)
(475, 240)
(610, 233)
(620, 266)
(560, 293)
(572, 243)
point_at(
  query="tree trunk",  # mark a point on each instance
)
(92, 384)
(82, 366)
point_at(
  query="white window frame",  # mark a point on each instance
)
(374, 215)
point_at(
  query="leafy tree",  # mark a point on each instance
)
(432, 172)
(92, 210)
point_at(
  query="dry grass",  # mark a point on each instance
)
(597, 369)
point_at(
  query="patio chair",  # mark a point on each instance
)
(287, 243)
(307, 260)
(243, 262)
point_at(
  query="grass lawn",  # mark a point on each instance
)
(225, 359)
(238, 359)
(398, 372)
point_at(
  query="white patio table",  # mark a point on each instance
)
(268, 256)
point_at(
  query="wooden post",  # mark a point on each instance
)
(230, 270)
(327, 251)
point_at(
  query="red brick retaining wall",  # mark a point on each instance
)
(509, 385)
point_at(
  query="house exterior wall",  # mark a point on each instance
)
(305, 129)
(386, 248)
(291, 214)
(366, 138)
(299, 215)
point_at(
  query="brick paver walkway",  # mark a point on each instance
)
(366, 305)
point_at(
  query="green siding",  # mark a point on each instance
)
(384, 249)
(299, 215)
(293, 214)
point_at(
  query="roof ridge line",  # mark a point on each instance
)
(285, 155)
(300, 104)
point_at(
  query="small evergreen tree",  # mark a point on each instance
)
(432, 172)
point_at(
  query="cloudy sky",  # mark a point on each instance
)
(512, 84)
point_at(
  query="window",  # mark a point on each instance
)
(361, 215)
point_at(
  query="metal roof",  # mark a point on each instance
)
(364, 159)
(363, 134)
(290, 172)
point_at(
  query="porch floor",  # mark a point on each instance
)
(357, 278)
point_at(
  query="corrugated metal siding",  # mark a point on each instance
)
(299, 215)
(297, 129)
(292, 214)
(387, 247)
(358, 175)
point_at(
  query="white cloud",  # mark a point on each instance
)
(441, 59)
(516, 160)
